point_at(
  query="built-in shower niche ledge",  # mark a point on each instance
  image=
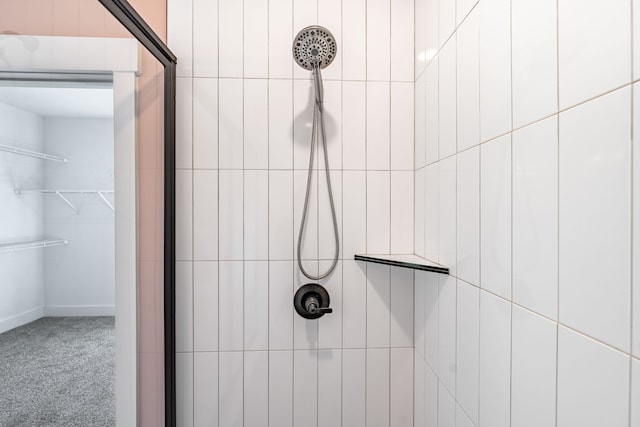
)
(406, 261)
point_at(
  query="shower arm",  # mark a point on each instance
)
(319, 89)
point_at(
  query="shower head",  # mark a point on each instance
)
(314, 46)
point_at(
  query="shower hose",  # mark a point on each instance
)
(318, 116)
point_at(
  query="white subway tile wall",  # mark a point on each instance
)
(533, 202)
(243, 135)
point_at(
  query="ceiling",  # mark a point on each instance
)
(60, 101)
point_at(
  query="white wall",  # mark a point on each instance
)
(21, 273)
(244, 112)
(80, 277)
(525, 187)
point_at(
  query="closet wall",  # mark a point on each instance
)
(21, 272)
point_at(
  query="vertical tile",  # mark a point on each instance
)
(280, 215)
(378, 303)
(495, 214)
(596, 130)
(256, 389)
(330, 328)
(280, 307)
(230, 214)
(330, 17)
(205, 306)
(231, 124)
(179, 36)
(378, 39)
(303, 106)
(354, 125)
(468, 216)
(635, 347)
(431, 328)
(230, 397)
(378, 126)
(184, 306)
(256, 41)
(401, 388)
(230, 307)
(432, 112)
(230, 36)
(419, 213)
(184, 389)
(462, 419)
(447, 132)
(463, 7)
(402, 198)
(495, 361)
(447, 332)
(256, 301)
(587, 65)
(309, 243)
(533, 370)
(329, 388)
(636, 40)
(326, 234)
(402, 126)
(635, 392)
(419, 395)
(354, 312)
(593, 383)
(205, 389)
(305, 13)
(354, 199)
(446, 20)
(446, 407)
(256, 222)
(205, 214)
(420, 42)
(377, 393)
(535, 217)
(305, 388)
(535, 60)
(447, 213)
(468, 83)
(467, 349)
(184, 123)
(433, 30)
(401, 307)
(280, 39)
(431, 398)
(432, 212)
(256, 120)
(205, 123)
(281, 388)
(402, 33)
(333, 124)
(495, 68)
(419, 310)
(420, 122)
(280, 129)
(378, 212)
(354, 387)
(205, 38)
(354, 40)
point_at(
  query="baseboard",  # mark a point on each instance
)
(21, 319)
(79, 310)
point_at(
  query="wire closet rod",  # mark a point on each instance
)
(29, 153)
(60, 193)
(35, 244)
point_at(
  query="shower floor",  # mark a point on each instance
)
(58, 371)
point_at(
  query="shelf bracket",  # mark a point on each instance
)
(106, 201)
(64, 199)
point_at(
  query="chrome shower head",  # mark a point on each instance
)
(314, 46)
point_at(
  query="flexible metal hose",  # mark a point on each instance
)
(318, 114)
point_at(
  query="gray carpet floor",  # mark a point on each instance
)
(58, 371)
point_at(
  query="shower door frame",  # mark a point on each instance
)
(134, 23)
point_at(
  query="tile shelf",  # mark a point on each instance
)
(406, 261)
